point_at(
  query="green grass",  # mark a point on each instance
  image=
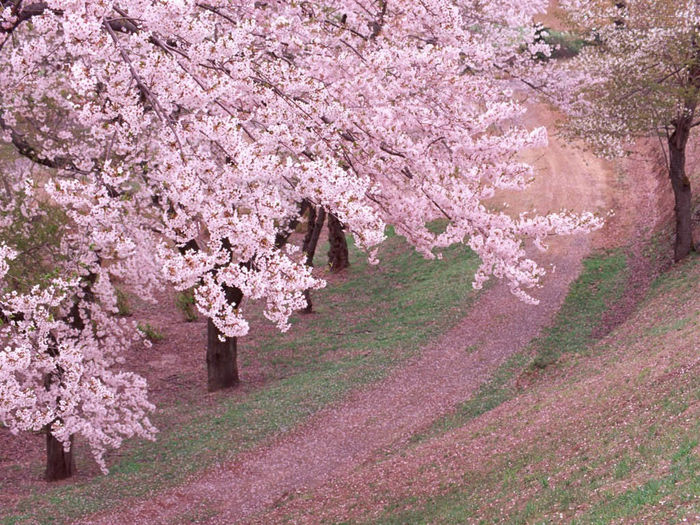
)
(365, 326)
(564, 44)
(602, 280)
(681, 486)
(123, 305)
(623, 467)
(186, 304)
(506, 476)
(151, 332)
(463, 504)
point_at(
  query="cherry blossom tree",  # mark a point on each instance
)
(641, 78)
(186, 136)
(62, 345)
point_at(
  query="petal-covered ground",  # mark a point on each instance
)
(610, 438)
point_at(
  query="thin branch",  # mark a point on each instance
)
(144, 88)
(25, 149)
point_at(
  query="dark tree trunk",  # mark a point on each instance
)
(316, 220)
(222, 356)
(311, 225)
(222, 360)
(680, 183)
(309, 309)
(59, 463)
(338, 252)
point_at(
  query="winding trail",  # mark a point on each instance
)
(447, 371)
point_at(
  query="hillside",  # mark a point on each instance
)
(608, 433)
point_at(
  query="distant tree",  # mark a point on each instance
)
(641, 78)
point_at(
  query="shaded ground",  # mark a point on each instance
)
(330, 444)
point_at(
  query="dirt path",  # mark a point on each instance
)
(448, 371)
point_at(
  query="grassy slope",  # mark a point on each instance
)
(365, 326)
(609, 437)
(601, 282)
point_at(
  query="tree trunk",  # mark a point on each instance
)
(222, 356)
(222, 360)
(338, 252)
(316, 220)
(59, 463)
(680, 183)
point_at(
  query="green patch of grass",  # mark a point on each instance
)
(123, 306)
(150, 332)
(363, 328)
(390, 306)
(456, 504)
(481, 496)
(563, 44)
(681, 485)
(186, 304)
(679, 281)
(453, 507)
(602, 281)
(623, 467)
